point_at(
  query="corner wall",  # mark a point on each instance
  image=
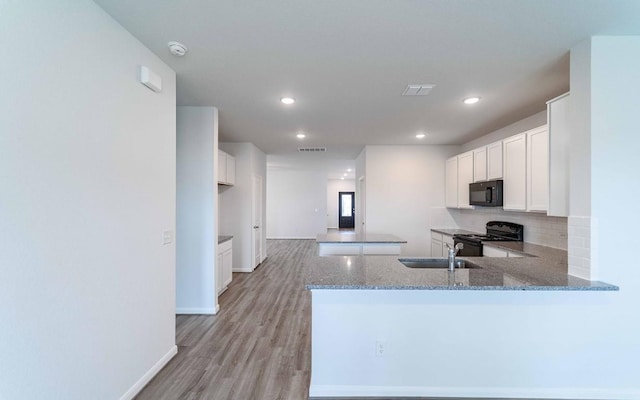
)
(87, 188)
(197, 197)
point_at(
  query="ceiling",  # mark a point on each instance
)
(347, 63)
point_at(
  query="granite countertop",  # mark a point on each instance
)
(224, 238)
(454, 231)
(355, 238)
(544, 269)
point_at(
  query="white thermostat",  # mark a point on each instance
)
(150, 79)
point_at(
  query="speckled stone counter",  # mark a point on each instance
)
(544, 272)
(356, 238)
(224, 238)
(454, 231)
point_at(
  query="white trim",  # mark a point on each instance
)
(243, 270)
(475, 392)
(205, 311)
(142, 382)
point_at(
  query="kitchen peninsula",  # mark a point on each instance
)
(382, 329)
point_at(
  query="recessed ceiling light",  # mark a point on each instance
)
(420, 135)
(345, 174)
(288, 100)
(301, 135)
(348, 169)
(471, 100)
(342, 177)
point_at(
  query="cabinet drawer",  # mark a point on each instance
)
(436, 236)
(224, 246)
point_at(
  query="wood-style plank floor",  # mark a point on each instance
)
(259, 344)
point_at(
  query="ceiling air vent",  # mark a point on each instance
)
(418, 90)
(312, 149)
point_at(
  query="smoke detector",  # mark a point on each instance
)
(177, 49)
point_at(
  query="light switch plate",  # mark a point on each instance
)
(167, 236)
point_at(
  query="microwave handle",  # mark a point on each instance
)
(488, 195)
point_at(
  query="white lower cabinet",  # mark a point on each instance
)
(224, 265)
(493, 252)
(488, 251)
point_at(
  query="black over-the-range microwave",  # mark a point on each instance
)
(487, 194)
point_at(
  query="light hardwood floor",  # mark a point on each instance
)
(259, 344)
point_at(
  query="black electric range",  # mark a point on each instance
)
(496, 231)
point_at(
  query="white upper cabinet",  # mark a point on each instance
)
(480, 164)
(231, 170)
(515, 172)
(494, 161)
(465, 177)
(558, 123)
(451, 182)
(222, 166)
(226, 168)
(538, 169)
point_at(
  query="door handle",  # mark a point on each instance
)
(256, 227)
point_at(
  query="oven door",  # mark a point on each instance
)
(472, 248)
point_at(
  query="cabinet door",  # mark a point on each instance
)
(222, 166)
(436, 248)
(231, 170)
(538, 169)
(219, 274)
(465, 177)
(515, 172)
(480, 164)
(451, 182)
(227, 267)
(493, 252)
(494, 161)
(558, 123)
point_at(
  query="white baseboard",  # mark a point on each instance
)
(142, 382)
(204, 311)
(476, 392)
(242, 270)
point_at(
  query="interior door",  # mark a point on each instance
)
(347, 210)
(257, 220)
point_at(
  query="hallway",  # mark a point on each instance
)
(259, 344)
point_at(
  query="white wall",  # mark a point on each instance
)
(236, 203)
(573, 345)
(197, 189)
(87, 187)
(296, 204)
(404, 184)
(335, 186)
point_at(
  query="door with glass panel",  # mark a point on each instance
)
(346, 210)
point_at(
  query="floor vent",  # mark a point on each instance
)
(418, 90)
(312, 149)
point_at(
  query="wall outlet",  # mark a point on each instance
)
(381, 348)
(167, 236)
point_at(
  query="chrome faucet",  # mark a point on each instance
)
(453, 251)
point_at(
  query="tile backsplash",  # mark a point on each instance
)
(538, 228)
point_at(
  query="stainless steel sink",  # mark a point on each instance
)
(437, 263)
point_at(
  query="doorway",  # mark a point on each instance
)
(256, 219)
(346, 210)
